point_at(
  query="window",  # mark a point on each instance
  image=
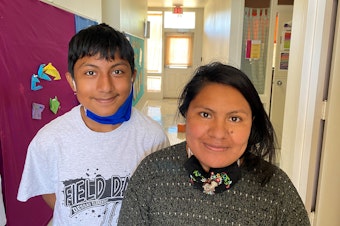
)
(154, 43)
(182, 21)
(154, 83)
(178, 50)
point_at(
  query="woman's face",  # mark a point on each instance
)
(218, 124)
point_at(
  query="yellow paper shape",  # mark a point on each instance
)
(52, 71)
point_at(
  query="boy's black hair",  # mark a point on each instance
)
(99, 39)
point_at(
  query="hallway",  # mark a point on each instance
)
(165, 113)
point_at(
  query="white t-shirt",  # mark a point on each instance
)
(88, 171)
(2, 208)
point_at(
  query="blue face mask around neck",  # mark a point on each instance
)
(123, 113)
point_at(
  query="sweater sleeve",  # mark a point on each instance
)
(135, 207)
(292, 211)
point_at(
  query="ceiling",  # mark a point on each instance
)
(183, 3)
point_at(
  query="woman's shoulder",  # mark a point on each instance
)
(172, 153)
(279, 175)
(267, 173)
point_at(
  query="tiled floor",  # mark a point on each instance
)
(165, 112)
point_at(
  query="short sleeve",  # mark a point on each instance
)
(39, 174)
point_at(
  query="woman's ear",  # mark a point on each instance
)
(70, 81)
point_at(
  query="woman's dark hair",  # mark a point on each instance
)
(101, 39)
(261, 143)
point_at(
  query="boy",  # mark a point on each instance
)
(81, 161)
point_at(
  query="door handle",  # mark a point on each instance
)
(279, 83)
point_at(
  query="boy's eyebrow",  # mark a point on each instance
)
(114, 65)
(121, 63)
(85, 64)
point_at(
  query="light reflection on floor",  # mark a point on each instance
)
(165, 113)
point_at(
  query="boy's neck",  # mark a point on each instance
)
(95, 126)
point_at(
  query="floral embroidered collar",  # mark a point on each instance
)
(216, 180)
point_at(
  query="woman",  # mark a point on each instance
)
(224, 172)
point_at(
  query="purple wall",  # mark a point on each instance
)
(31, 33)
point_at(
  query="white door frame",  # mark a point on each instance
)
(307, 73)
(327, 201)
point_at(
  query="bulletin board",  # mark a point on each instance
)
(138, 47)
(82, 23)
(285, 46)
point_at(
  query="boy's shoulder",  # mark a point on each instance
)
(139, 118)
(64, 120)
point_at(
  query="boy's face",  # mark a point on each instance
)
(102, 86)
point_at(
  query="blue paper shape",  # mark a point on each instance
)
(34, 81)
(41, 73)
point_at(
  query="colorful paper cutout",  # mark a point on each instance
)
(44, 71)
(37, 109)
(52, 71)
(41, 73)
(54, 105)
(34, 81)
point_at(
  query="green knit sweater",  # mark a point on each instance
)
(159, 193)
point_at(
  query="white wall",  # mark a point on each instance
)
(125, 15)
(90, 9)
(216, 33)
(132, 16)
(222, 35)
(236, 31)
(111, 13)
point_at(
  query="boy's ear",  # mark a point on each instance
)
(70, 81)
(133, 77)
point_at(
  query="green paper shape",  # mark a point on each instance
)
(54, 105)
